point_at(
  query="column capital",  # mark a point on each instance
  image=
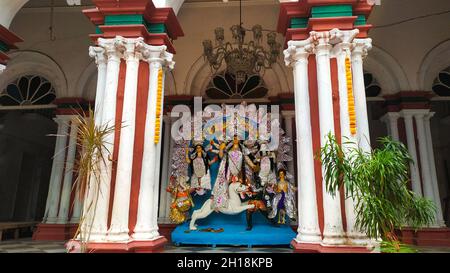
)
(429, 115)
(322, 42)
(114, 47)
(390, 117)
(287, 113)
(361, 47)
(98, 53)
(343, 40)
(407, 113)
(157, 55)
(298, 51)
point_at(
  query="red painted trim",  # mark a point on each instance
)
(328, 23)
(118, 126)
(54, 232)
(9, 38)
(166, 16)
(315, 126)
(317, 248)
(127, 247)
(303, 9)
(432, 237)
(138, 150)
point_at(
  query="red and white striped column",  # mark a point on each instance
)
(124, 206)
(321, 64)
(63, 208)
(409, 122)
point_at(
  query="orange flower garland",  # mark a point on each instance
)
(158, 106)
(351, 99)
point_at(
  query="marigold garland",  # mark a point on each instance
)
(351, 99)
(158, 106)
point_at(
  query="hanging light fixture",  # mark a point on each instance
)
(241, 58)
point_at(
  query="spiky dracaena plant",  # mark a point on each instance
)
(92, 155)
(378, 182)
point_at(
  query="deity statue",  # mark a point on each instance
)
(198, 160)
(181, 199)
(266, 159)
(229, 171)
(284, 200)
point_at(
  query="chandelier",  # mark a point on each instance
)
(242, 58)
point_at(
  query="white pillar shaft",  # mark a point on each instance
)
(308, 228)
(100, 190)
(146, 219)
(58, 170)
(354, 235)
(84, 213)
(425, 165)
(120, 213)
(53, 173)
(414, 168)
(64, 205)
(359, 92)
(430, 149)
(165, 169)
(333, 230)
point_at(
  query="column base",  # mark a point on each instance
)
(54, 232)
(320, 248)
(425, 236)
(134, 246)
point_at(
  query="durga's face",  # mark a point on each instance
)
(198, 149)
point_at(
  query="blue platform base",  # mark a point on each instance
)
(234, 235)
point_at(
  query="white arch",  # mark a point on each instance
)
(199, 75)
(9, 9)
(434, 61)
(387, 70)
(34, 63)
(86, 84)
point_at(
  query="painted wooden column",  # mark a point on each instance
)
(296, 56)
(333, 233)
(391, 121)
(410, 136)
(99, 201)
(121, 207)
(147, 220)
(437, 198)
(166, 161)
(288, 116)
(360, 49)
(64, 204)
(53, 198)
(342, 51)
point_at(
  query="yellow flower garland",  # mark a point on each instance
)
(351, 99)
(158, 106)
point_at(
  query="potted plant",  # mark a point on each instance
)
(378, 182)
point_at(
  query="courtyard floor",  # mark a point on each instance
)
(29, 246)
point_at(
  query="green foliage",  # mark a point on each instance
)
(378, 182)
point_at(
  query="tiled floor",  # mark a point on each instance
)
(29, 246)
